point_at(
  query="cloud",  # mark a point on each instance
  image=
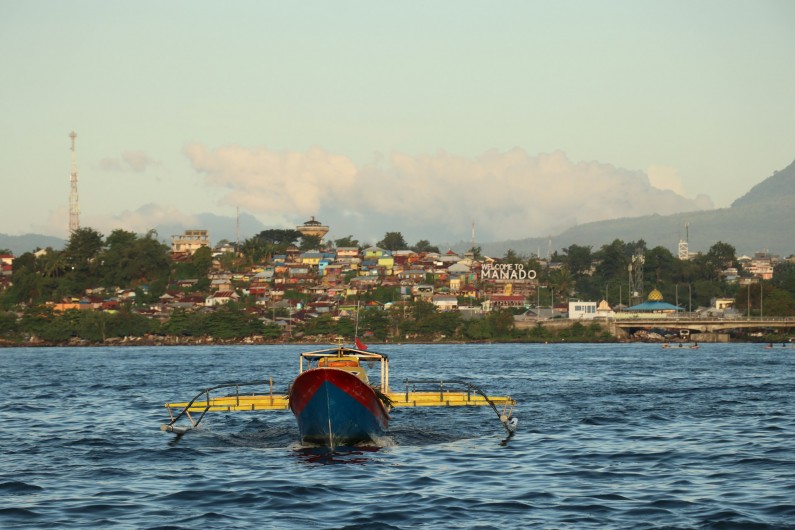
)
(275, 184)
(136, 161)
(508, 194)
(665, 178)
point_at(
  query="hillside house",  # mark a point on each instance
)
(311, 258)
(221, 298)
(412, 275)
(496, 302)
(221, 282)
(373, 253)
(422, 291)
(6, 264)
(445, 302)
(761, 265)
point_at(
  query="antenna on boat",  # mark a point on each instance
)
(356, 342)
(356, 325)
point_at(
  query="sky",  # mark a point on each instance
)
(508, 119)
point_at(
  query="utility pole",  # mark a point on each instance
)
(74, 208)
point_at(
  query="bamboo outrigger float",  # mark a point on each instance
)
(333, 400)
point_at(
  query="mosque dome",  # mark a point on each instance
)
(655, 296)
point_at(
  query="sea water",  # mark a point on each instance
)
(610, 436)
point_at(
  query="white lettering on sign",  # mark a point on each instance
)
(506, 271)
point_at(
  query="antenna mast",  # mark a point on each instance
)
(74, 208)
(635, 268)
(684, 245)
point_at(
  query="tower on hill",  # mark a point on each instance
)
(313, 228)
(74, 208)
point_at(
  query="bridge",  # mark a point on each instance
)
(710, 329)
(698, 324)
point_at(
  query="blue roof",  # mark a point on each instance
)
(654, 306)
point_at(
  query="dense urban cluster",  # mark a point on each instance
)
(283, 285)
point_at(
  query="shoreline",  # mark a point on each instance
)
(205, 341)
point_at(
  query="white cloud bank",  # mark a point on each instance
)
(509, 195)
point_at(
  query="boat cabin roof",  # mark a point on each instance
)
(344, 351)
(349, 360)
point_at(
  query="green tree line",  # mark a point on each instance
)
(143, 264)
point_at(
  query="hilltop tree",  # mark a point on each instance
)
(310, 243)
(578, 259)
(84, 245)
(26, 282)
(120, 238)
(561, 281)
(264, 245)
(612, 261)
(423, 245)
(76, 266)
(784, 277)
(131, 261)
(256, 251)
(202, 261)
(659, 265)
(393, 241)
(719, 257)
(511, 256)
(281, 238)
(346, 241)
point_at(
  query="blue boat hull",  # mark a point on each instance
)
(334, 408)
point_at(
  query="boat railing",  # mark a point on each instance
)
(450, 387)
(204, 401)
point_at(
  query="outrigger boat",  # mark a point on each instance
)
(333, 401)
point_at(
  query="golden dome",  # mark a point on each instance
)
(655, 296)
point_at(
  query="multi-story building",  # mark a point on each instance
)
(190, 241)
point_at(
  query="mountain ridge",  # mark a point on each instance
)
(760, 220)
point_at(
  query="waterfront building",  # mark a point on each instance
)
(579, 310)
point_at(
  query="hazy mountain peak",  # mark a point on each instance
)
(778, 186)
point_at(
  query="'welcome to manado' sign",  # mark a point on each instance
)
(506, 271)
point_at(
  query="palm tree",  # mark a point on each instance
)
(562, 281)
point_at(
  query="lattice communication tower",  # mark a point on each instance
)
(684, 244)
(636, 279)
(74, 207)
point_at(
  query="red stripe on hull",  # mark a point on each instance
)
(307, 383)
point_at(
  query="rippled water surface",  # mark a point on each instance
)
(610, 436)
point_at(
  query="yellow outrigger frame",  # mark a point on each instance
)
(471, 396)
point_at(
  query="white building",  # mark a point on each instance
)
(190, 241)
(582, 310)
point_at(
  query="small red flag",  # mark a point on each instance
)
(359, 344)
